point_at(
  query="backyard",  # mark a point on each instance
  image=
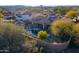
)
(39, 29)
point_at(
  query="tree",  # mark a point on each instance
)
(71, 13)
(42, 34)
(60, 11)
(62, 29)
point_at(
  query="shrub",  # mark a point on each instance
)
(30, 45)
(62, 29)
(13, 36)
(42, 34)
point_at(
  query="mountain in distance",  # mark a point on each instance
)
(14, 6)
(40, 6)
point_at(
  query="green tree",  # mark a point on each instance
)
(62, 29)
(71, 13)
(42, 34)
(60, 11)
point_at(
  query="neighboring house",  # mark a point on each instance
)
(22, 17)
(8, 15)
(52, 18)
(52, 12)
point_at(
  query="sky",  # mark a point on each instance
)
(39, 2)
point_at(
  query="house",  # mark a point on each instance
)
(19, 17)
(8, 15)
(11, 13)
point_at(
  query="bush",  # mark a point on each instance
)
(30, 45)
(62, 29)
(42, 34)
(11, 37)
